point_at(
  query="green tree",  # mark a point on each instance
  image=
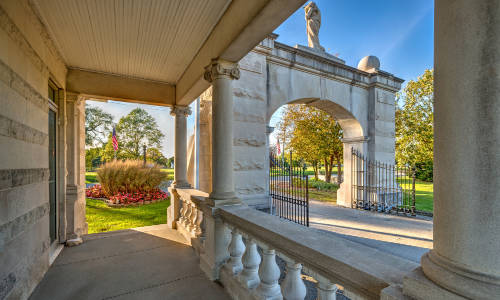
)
(93, 158)
(98, 125)
(414, 122)
(155, 155)
(314, 136)
(136, 129)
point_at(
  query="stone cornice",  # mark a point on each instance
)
(180, 111)
(221, 69)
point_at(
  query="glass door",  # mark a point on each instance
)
(52, 175)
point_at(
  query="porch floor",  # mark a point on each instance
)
(150, 262)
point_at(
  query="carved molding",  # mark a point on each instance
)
(221, 69)
(180, 110)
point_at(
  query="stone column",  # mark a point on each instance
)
(221, 73)
(269, 130)
(180, 160)
(76, 225)
(465, 258)
(344, 192)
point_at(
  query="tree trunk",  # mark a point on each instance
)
(315, 166)
(328, 171)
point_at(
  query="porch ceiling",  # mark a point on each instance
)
(167, 42)
(148, 39)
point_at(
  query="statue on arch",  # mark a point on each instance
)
(313, 21)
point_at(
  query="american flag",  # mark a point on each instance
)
(115, 141)
(278, 149)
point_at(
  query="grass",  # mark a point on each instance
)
(170, 173)
(424, 195)
(90, 177)
(102, 218)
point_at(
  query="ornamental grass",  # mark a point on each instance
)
(129, 177)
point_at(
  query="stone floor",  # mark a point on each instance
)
(143, 263)
(406, 237)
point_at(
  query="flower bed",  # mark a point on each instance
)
(126, 199)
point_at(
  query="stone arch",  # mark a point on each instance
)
(351, 126)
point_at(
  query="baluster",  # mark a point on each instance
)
(188, 212)
(293, 287)
(236, 249)
(183, 212)
(326, 289)
(192, 217)
(251, 259)
(269, 274)
(197, 226)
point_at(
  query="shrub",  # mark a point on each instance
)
(424, 171)
(321, 185)
(129, 177)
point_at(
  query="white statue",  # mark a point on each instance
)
(313, 21)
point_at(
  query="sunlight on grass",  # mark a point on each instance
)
(102, 218)
(90, 177)
(170, 173)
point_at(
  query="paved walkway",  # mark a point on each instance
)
(143, 263)
(405, 237)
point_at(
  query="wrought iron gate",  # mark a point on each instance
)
(288, 188)
(381, 187)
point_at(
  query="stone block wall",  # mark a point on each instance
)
(27, 60)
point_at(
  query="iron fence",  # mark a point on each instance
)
(382, 187)
(288, 189)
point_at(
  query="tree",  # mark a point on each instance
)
(98, 125)
(155, 155)
(414, 122)
(136, 129)
(314, 136)
(93, 158)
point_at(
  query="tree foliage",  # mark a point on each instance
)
(314, 136)
(98, 124)
(414, 122)
(136, 129)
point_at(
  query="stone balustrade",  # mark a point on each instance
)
(190, 214)
(252, 272)
(249, 268)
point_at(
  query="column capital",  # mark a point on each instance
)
(180, 110)
(221, 69)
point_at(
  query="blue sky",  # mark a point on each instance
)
(398, 32)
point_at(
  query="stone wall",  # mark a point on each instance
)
(27, 60)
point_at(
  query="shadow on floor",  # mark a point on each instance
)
(145, 263)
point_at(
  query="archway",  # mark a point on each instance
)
(353, 137)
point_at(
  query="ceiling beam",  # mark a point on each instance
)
(244, 25)
(110, 86)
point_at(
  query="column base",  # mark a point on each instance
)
(457, 280)
(180, 185)
(219, 199)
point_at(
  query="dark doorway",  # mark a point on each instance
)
(52, 172)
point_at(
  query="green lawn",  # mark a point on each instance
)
(102, 218)
(90, 177)
(170, 173)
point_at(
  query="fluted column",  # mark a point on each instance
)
(180, 161)
(220, 74)
(465, 258)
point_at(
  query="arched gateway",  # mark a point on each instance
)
(361, 99)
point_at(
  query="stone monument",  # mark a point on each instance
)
(313, 23)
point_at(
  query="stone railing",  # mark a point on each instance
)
(252, 271)
(190, 215)
(239, 246)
